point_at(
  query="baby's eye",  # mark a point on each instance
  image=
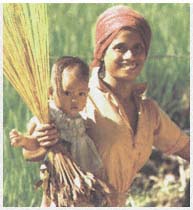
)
(67, 93)
(82, 94)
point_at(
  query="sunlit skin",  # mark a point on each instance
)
(125, 57)
(71, 98)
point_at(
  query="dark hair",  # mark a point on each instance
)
(69, 61)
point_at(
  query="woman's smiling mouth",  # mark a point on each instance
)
(129, 66)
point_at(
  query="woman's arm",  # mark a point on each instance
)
(169, 138)
(185, 152)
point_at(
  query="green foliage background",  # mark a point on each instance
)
(71, 31)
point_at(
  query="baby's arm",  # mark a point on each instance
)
(46, 136)
(39, 152)
(20, 140)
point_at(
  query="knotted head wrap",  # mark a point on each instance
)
(111, 21)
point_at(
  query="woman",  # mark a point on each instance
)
(122, 122)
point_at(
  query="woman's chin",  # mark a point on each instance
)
(128, 76)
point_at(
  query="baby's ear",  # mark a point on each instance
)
(50, 91)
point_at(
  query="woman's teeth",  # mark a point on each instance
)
(130, 66)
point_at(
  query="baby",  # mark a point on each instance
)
(68, 95)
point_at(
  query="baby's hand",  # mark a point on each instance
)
(16, 138)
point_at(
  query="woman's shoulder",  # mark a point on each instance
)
(149, 102)
(151, 106)
(140, 91)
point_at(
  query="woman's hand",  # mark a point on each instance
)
(46, 134)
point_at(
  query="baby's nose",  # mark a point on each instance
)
(73, 100)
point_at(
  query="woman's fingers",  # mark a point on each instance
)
(46, 134)
(49, 143)
(49, 138)
(45, 127)
(44, 130)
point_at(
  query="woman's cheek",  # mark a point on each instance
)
(112, 61)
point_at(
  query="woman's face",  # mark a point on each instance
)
(125, 56)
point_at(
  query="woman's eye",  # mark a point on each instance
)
(138, 48)
(120, 48)
(82, 94)
(67, 93)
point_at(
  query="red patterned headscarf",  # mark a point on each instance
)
(111, 21)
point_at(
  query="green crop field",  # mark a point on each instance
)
(71, 32)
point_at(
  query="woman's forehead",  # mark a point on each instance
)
(127, 36)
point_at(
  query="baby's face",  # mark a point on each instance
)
(71, 99)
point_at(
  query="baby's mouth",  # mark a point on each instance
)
(74, 111)
(74, 108)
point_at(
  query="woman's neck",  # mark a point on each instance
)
(121, 88)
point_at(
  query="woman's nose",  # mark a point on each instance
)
(128, 55)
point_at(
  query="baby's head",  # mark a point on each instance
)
(69, 84)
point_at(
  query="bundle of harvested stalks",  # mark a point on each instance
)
(26, 66)
(67, 185)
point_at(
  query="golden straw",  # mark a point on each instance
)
(26, 54)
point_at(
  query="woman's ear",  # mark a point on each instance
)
(102, 58)
(103, 55)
